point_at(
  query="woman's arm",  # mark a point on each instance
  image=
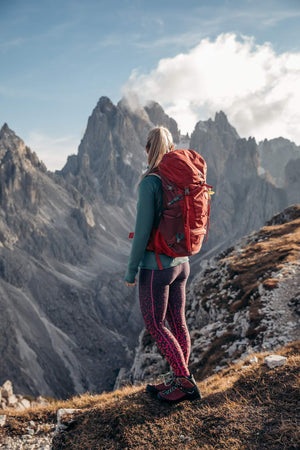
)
(143, 226)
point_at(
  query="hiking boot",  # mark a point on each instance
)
(167, 382)
(183, 388)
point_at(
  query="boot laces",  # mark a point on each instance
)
(166, 375)
(171, 389)
(167, 378)
(177, 385)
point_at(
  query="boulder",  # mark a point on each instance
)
(274, 361)
(253, 360)
(60, 413)
(12, 401)
(2, 420)
(23, 404)
(6, 389)
(40, 401)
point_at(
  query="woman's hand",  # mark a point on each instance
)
(130, 284)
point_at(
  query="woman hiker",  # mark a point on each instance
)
(162, 292)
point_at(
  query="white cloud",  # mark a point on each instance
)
(52, 151)
(258, 89)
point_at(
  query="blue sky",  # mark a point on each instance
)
(58, 57)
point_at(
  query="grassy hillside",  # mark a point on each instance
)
(246, 406)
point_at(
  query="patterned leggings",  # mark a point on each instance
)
(162, 297)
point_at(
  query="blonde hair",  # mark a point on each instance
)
(159, 142)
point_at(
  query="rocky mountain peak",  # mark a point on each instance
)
(104, 156)
(18, 173)
(10, 141)
(215, 140)
(131, 107)
(4, 130)
(220, 117)
(159, 117)
(221, 122)
(105, 105)
(110, 155)
(12, 148)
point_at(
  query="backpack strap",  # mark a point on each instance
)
(156, 234)
(210, 193)
(155, 174)
(187, 219)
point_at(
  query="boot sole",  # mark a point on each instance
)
(189, 397)
(152, 390)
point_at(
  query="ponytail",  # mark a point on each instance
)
(159, 142)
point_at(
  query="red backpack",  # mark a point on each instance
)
(186, 205)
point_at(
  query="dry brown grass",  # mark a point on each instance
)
(243, 407)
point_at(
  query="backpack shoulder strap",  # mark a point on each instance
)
(155, 174)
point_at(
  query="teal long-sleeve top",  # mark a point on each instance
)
(149, 208)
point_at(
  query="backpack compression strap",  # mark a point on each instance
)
(187, 220)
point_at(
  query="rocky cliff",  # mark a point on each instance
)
(246, 299)
(64, 307)
(275, 154)
(292, 180)
(244, 200)
(111, 155)
(215, 140)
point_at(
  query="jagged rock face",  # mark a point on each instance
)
(18, 183)
(275, 155)
(159, 118)
(243, 200)
(245, 300)
(292, 181)
(215, 141)
(111, 155)
(65, 307)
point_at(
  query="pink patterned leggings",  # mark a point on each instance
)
(162, 297)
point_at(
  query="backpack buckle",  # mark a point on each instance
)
(179, 237)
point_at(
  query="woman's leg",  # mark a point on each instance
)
(176, 311)
(155, 288)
